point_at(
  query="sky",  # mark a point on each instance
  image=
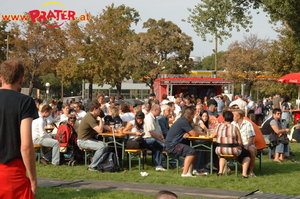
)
(170, 10)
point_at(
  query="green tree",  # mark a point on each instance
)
(219, 17)
(246, 60)
(3, 40)
(114, 36)
(208, 63)
(34, 44)
(164, 48)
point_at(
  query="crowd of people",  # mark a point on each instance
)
(164, 125)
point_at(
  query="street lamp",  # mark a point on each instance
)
(47, 89)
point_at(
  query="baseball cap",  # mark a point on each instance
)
(249, 97)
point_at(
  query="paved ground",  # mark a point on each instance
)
(152, 189)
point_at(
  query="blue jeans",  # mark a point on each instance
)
(156, 147)
(49, 142)
(96, 145)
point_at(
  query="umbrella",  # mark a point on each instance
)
(292, 78)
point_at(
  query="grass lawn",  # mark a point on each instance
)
(274, 177)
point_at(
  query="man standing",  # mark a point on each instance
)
(276, 101)
(154, 139)
(17, 153)
(182, 129)
(240, 102)
(247, 134)
(88, 128)
(250, 109)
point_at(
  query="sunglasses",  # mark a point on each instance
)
(72, 117)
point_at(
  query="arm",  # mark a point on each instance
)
(193, 133)
(99, 127)
(250, 142)
(155, 136)
(127, 130)
(27, 152)
(279, 131)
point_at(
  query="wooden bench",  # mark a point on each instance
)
(230, 159)
(87, 153)
(138, 154)
(172, 159)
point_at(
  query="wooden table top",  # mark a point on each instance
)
(109, 134)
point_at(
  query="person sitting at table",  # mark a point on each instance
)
(229, 142)
(125, 113)
(153, 138)
(89, 127)
(163, 119)
(65, 114)
(41, 137)
(202, 163)
(78, 111)
(136, 126)
(181, 129)
(103, 104)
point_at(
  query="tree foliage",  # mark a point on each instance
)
(3, 41)
(219, 18)
(208, 63)
(35, 46)
(245, 61)
(163, 48)
(116, 34)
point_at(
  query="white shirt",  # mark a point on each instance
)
(241, 103)
(251, 105)
(177, 109)
(246, 129)
(127, 117)
(151, 125)
(61, 118)
(80, 115)
(38, 128)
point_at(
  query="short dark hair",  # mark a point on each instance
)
(276, 110)
(94, 105)
(46, 107)
(11, 70)
(228, 116)
(188, 111)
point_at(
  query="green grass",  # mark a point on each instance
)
(274, 177)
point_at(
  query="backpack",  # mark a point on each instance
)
(66, 136)
(108, 163)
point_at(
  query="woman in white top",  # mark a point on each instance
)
(136, 126)
(65, 113)
(125, 114)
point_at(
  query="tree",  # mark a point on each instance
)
(3, 41)
(219, 17)
(115, 35)
(244, 61)
(164, 48)
(34, 45)
(208, 63)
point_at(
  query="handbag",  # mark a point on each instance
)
(283, 139)
(135, 142)
(258, 111)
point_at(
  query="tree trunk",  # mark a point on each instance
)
(31, 84)
(91, 88)
(119, 89)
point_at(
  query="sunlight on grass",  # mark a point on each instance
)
(274, 177)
